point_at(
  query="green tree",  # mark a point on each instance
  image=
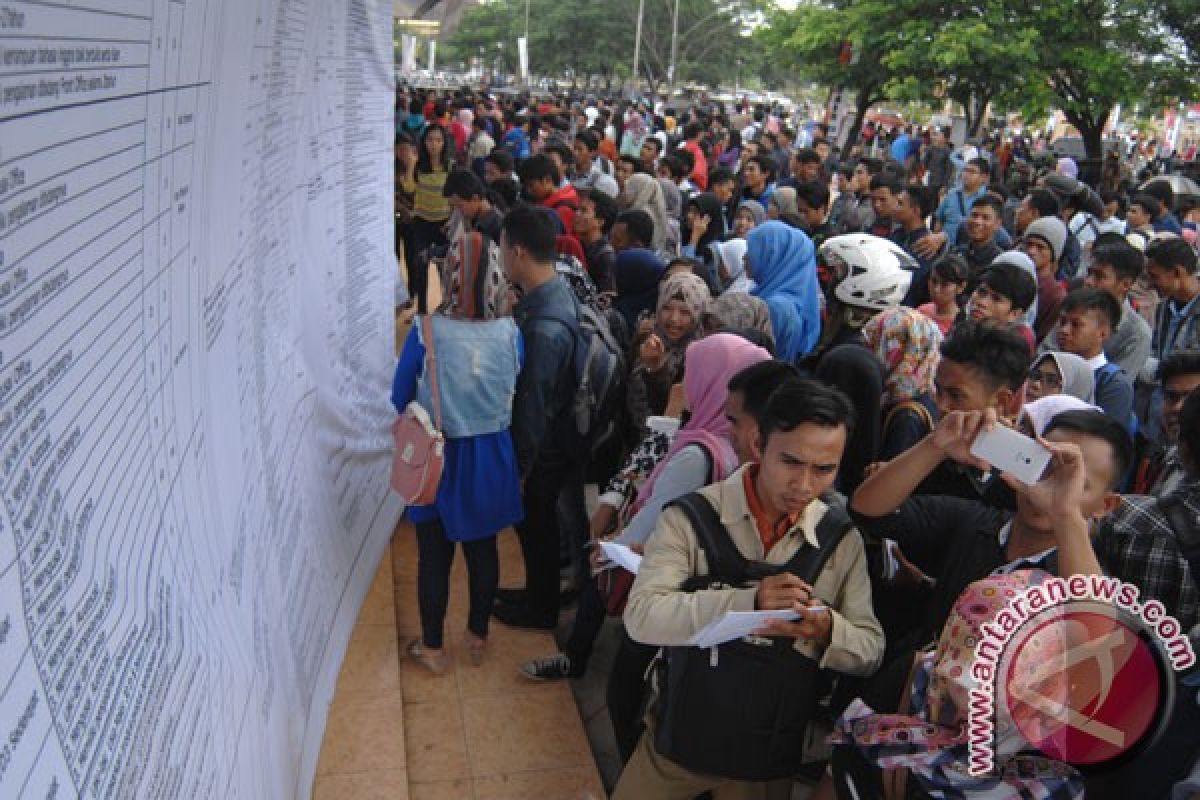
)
(839, 44)
(947, 50)
(1094, 54)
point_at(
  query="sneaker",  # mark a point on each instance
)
(551, 668)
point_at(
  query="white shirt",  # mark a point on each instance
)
(1097, 362)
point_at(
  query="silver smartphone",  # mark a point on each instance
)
(1012, 452)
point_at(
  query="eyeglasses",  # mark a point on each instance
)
(1048, 379)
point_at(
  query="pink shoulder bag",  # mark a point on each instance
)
(420, 445)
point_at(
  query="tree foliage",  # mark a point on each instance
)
(1081, 56)
(583, 38)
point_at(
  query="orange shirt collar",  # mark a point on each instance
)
(769, 531)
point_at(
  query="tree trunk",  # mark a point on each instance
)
(863, 100)
(1091, 128)
(976, 112)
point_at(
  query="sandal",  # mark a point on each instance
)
(475, 648)
(434, 662)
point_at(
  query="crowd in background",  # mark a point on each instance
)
(746, 338)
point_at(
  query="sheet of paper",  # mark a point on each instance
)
(622, 556)
(196, 350)
(735, 625)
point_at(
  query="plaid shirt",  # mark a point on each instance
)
(1137, 545)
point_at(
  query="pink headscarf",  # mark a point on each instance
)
(708, 367)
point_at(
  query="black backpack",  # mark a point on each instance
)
(599, 365)
(741, 710)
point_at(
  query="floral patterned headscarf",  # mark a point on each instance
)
(907, 342)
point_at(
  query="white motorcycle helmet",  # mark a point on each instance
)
(874, 273)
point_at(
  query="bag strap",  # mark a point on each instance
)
(916, 407)
(808, 561)
(1187, 536)
(431, 367)
(724, 560)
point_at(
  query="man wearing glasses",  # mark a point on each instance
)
(956, 205)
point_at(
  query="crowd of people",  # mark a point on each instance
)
(772, 359)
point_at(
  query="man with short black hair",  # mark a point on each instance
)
(770, 511)
(955, 540)
(593, 222)
(914, 204)
(983, 221)
(649, 152)
(498, 165)
(812, 201)
(1037, 204)
(805, 168)
(723, 183)
(1088, 318)
(468, 198)
(957, 204)
(592, 170)
(851, 211)
(758, 176)
(542, 419)
(1160, 468)
(1115, 267)
(1002, 296)
(543, 184)
(632, 229)
(884, 191)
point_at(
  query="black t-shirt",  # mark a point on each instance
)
(956, 480)
(954, 541)
(601, 265)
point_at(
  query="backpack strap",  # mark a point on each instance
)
(808, 561)
(725, 561)
(1187, 534)
(914, 406)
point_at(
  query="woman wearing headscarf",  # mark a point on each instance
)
(782, 202)
(732, 269)
(906, 342)
(749, 215)
(642, 193)
(673, 202)
(634, 134)
(706, 228)
(1036, 415)
(478, 355)
(738, 312)
(637, 274)
(1061, 373)
(659, 353)
(782, 262)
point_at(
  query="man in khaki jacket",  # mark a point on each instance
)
(771, 509)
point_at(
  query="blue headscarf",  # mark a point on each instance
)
(636, 275)
(783, 264)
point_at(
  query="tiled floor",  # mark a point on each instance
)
(398, 731)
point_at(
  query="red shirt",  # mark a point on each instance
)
(700, 170)
(565, 201)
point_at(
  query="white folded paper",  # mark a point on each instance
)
(736, 624)
(622, 556)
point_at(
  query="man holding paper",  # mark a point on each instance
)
(767, 517)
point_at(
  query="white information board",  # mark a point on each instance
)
(196, 287)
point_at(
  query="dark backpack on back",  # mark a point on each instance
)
(741, 710)
(599, 364)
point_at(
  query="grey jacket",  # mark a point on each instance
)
(1128, 347)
